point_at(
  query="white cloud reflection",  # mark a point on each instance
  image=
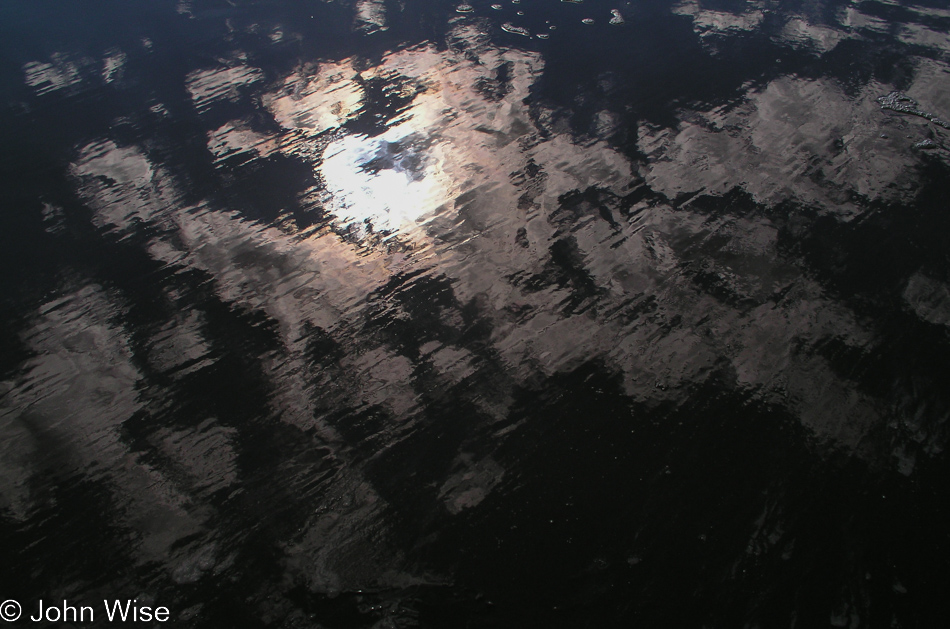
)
(465, 175)
(479, 188)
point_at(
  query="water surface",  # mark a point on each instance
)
(428, 314)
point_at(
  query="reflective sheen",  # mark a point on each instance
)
(375, 314)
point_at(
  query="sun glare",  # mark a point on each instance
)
(390, 182)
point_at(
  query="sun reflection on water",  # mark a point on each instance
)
(387, 183)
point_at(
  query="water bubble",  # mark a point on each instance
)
(464, 8)
(617, 18)
(508, 27)
(587, 20)
(904, 104)
(497, 7)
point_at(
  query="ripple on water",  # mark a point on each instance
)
(222, 385)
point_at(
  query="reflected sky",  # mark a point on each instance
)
(375, 314)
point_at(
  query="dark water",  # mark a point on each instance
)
(377, 314)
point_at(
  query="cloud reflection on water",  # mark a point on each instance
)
(455, 249)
